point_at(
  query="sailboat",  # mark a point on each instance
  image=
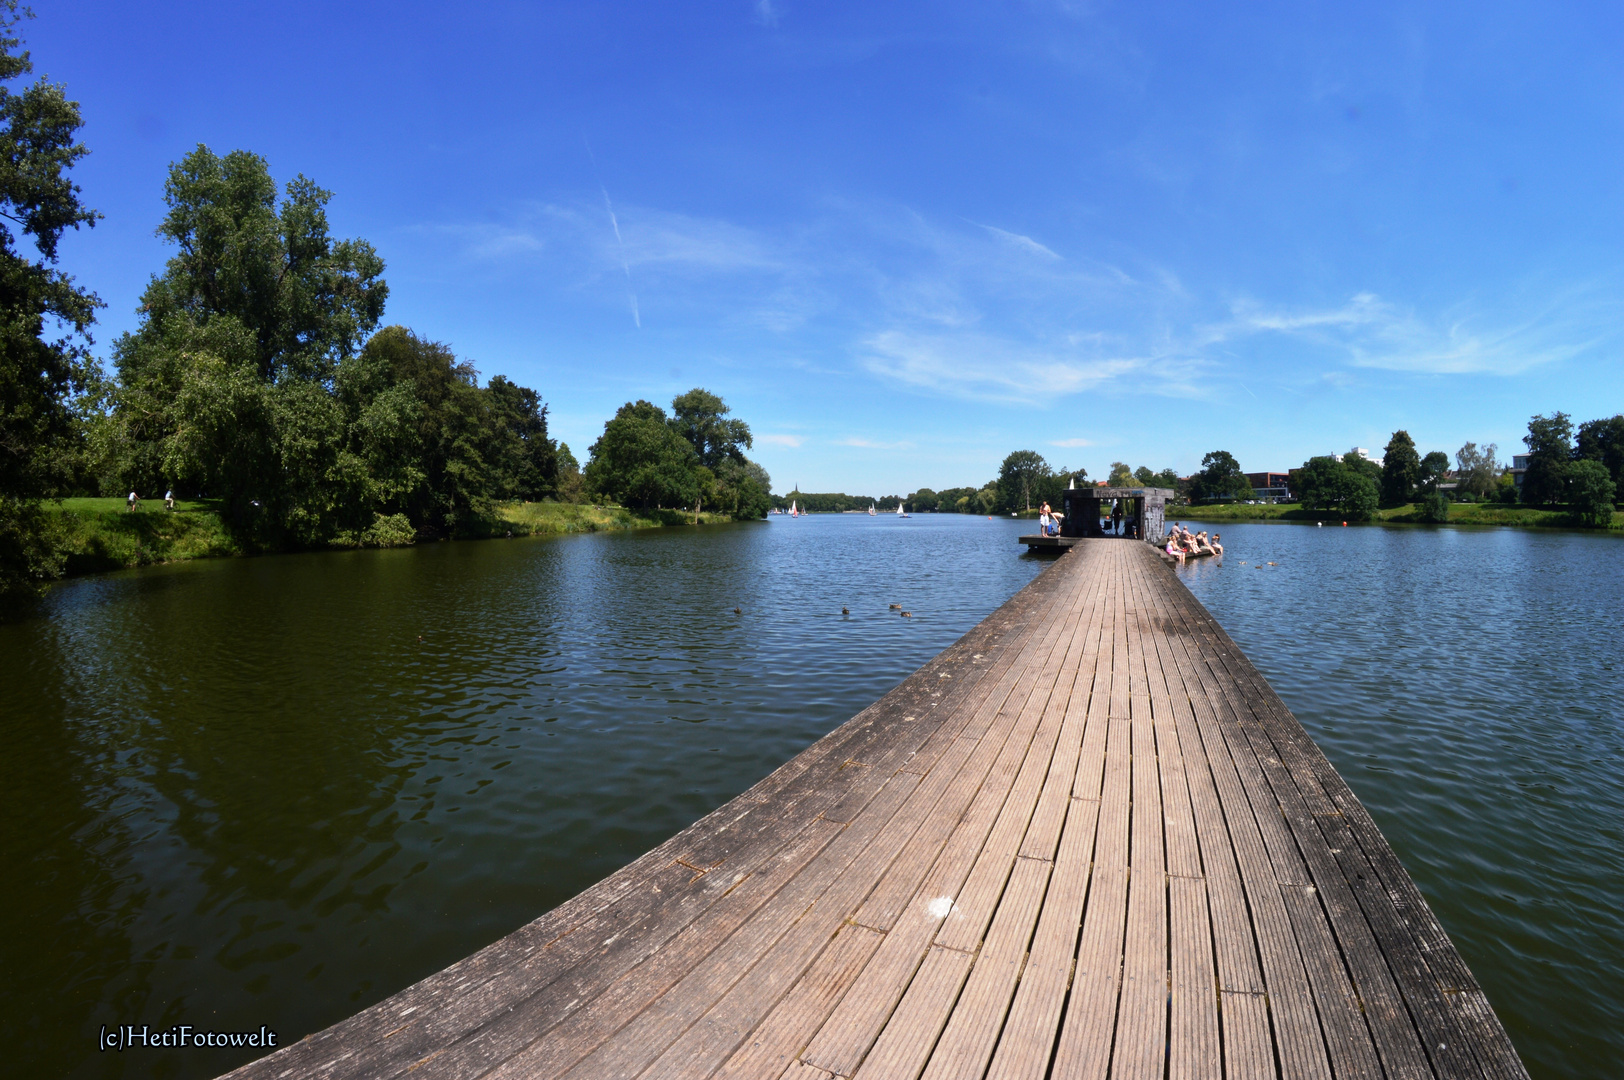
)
(899, 510)
(871, 509)
(793, 512)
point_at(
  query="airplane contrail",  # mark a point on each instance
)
(614, 223)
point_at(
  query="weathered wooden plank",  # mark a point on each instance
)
(1086, 1034)
(1034, 1017)
(912, 1030)
(1141, 1040)
(1192, 1047)
(967, 1042)
(772, 1047)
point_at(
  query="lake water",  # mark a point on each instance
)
(273, 791)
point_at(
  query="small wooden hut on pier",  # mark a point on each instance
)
(1086, 508)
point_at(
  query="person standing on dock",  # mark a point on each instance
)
(1045, 519)
(1116, 518)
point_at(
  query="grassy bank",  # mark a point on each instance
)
(1459, 514)
(99, 535)
(553, 518)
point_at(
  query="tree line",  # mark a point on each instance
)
(259, 376)
(1580, 470)
(1025, 481)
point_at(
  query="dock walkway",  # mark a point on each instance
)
(1087, 840)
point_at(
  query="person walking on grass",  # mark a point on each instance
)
(131, 501)
(169, 499)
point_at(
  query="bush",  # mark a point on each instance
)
(1434, 508)
(394, 530)
(1591, 493)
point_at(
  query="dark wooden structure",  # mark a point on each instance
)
(1084, 509)
(1143, 511)
(1087, 840)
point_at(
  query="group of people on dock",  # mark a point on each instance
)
(1182, 544)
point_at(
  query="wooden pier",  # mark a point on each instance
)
(1087, 840)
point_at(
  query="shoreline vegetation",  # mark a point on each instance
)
(98, 535)
(1409, 514)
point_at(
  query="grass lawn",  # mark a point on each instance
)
(1459, 514)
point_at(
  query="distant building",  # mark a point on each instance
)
(1271, 487)
(1519, 466)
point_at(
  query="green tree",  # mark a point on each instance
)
(1591, 493)
(38, 428)
(1356, 460)
(1323, 483)
(1019, 478)
(1434, 507)
(1434, 467)
(701, 417)
(1220, 478)
(641, 461)
(571, 487)
(1603, 441)
(1477, 469)
(1401, 469)
(524, 458)
(1121, 475)
(308, 300)
(1550, 450)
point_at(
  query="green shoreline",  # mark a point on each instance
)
(100, 535)
(1459, 514)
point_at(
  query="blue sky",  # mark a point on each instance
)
(903, 240)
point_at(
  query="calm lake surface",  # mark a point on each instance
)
(244, 792)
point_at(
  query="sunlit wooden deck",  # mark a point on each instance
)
(1087, 840)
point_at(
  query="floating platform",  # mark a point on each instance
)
(1087, 840)
(1055, 544)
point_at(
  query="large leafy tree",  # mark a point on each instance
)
(1167, 478)
(1220, 478)
(1401, 469)
(1323, 483)
(271, 265)
(1550, 449)
(1021, 478)
(259, 294)
(701, 417)
(1434, 467)
(1591, 493)
(44, 317)
(641, 461)
(1603, 441)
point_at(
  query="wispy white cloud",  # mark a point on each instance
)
(980, 365)
(766, 13)
(1369, 332)
(1024, 244)
(790, 441)
(1071, 444)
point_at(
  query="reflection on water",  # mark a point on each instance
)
(1466, 684)
(273, 791)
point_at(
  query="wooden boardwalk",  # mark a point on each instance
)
(1087, 840)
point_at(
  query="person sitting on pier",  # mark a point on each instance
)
(1174, 548)
(1217, 548)
(1202, 545)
